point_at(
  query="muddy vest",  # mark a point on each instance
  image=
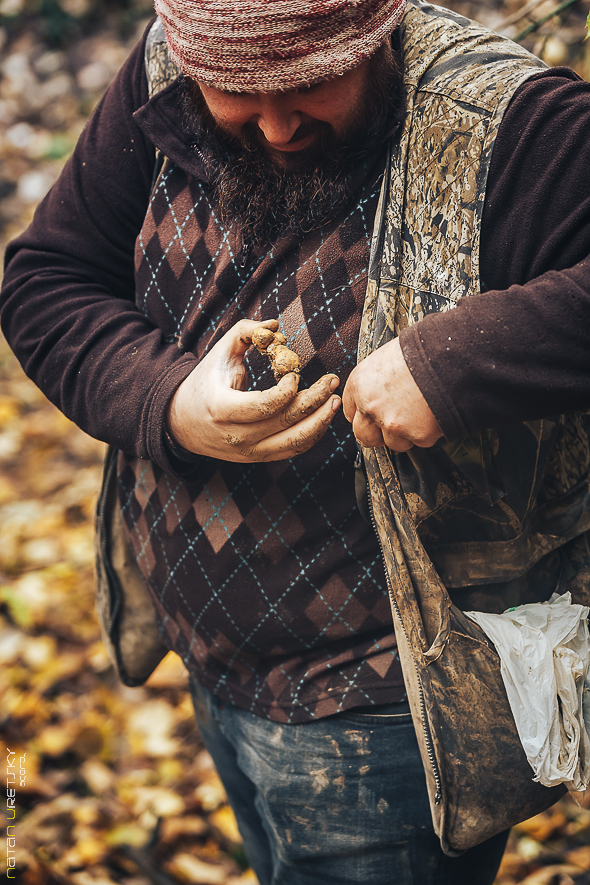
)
(490, 505)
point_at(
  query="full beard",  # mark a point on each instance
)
(303, 191)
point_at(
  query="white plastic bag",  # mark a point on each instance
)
(544, 650)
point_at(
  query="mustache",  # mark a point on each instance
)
(252, 144)
(313, 127)
(324, 143)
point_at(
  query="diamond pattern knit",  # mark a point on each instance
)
(267, 580)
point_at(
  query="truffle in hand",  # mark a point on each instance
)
(282, 360)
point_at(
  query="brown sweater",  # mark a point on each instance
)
(267, 580)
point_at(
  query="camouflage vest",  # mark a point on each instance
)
(491, 505)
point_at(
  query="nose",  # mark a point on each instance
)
(276, 118)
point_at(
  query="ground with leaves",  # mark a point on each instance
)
(113, 785)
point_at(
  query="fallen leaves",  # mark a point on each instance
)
(116, 785)
(551, 848)
(189, 868)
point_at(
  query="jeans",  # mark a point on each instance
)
(338, 801)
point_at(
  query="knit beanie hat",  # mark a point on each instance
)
(272, 45)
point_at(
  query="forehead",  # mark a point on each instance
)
(328, 86)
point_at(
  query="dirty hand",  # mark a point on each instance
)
(384, 404)
(211, 414)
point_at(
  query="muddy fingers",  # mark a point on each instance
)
(277, 414)
(296, 439)
(308, 401)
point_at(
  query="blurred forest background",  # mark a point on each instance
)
(113, 784)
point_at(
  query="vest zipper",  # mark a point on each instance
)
(425, 725)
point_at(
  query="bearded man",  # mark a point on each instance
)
(132, 298)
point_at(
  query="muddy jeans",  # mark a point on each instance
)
(339, 801)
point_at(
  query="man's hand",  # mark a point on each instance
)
(384, 404)
(211, 414)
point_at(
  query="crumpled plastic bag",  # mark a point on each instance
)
(544, 650)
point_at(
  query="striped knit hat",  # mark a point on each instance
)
(272, 45)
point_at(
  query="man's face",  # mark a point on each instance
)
(292, 160)
(291, 126)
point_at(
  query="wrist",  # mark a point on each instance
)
(176, 450)
(176, 438)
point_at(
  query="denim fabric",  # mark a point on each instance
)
(337, 801)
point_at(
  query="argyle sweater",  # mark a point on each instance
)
(282, 544)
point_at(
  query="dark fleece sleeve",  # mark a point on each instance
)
(67, 299)
(520, 350)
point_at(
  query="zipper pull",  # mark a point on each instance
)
(244, 254)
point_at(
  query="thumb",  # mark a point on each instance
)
(348, 402)
(228, 354)
(238, 339)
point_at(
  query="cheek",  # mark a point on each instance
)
(229, 111)
(236, 126)
(230, 120)
(338, 109)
